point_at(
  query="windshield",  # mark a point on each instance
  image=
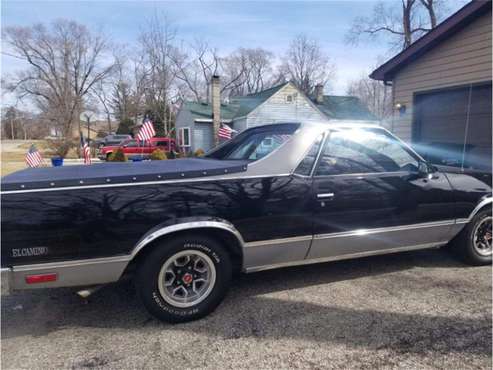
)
(255, 143)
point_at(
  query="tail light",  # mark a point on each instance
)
(41, 278)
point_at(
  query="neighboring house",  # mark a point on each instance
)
(442, 89)
(282, 103)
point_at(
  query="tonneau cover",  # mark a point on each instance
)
(121, 172)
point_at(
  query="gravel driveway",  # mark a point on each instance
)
(411, 310)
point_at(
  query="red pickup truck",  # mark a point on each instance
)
(138, 148)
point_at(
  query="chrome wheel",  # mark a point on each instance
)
(186, 278)
(482, 237)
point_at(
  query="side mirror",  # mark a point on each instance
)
(426, 169)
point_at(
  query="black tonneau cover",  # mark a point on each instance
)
(123, 172)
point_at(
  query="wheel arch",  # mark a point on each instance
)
(221, 230)
(484, 203)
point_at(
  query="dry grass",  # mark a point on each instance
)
(13, 153)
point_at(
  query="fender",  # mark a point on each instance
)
(188, 223)
(484, 201)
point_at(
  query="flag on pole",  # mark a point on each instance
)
(225, 132)
(146, 131)
(86, 151)
(33, 157)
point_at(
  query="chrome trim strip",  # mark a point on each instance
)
(363, 232)
(480, 205)
(63, 264)
(319, 154)
(462, 221)
(154, 234)
(273, 242)
(177, 181)
(345, 256)
(325, 195)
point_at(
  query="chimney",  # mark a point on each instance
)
(319, 93)
(216, 107)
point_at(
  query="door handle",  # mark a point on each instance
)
(325, 195)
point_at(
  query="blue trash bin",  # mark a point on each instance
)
(57, 161)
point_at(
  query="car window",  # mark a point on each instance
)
(135, 143)
(258, 146)
(364, 151)
(254, 143)
(305, 166)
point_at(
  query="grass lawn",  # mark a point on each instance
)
(14, 151)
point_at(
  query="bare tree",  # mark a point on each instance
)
(306, 64)
(253, 68)
(65, 62)
(374, 94)
(403, 22)
(157, 44)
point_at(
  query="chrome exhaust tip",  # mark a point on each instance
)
(85, 293)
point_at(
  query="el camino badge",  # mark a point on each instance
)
(28, 252)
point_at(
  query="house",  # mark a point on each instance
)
(442, 89)
(281, 103)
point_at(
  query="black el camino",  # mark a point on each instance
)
(274, 196)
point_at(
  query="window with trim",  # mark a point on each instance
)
(305, 166)
(364, 151)
(184, 136)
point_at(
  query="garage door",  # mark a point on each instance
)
(453, 127)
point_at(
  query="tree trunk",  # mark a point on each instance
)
(406, 22)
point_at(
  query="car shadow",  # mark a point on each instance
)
(249, 311)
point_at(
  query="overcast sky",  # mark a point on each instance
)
(225, 25)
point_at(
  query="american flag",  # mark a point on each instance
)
(86, 151)
(33, 157)
(146, 131)
(225, 132)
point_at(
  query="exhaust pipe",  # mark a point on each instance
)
(85, 293)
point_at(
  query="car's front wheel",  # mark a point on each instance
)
(184, 278)
(474, 243)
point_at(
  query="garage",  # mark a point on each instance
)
(441, 90)
(453, 126)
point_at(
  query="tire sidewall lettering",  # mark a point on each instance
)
(203, 248)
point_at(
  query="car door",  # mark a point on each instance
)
(371, 194)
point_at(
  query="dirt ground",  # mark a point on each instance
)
(418, 310)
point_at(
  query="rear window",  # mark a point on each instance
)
(256, 143)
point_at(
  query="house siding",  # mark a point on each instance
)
(462, 59)
(202, 136)
(277, 109)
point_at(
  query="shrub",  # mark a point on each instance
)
(158, 155)
(117, 156)
(199, 153)
(60, 147)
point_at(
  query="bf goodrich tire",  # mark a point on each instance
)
(473, 244)
(184, 278)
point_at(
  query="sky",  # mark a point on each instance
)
(226, 25)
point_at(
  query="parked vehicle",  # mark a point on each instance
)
(112, 139)
(138, 148)
(274, 196)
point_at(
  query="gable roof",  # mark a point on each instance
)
(333, 107)
(344, 107)
(444, 30)
(237, 107)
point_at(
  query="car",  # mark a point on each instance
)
(134, 148)
(273, 196)
(112, 139)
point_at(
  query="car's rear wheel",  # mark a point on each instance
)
(184, 278)
(474, 243)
